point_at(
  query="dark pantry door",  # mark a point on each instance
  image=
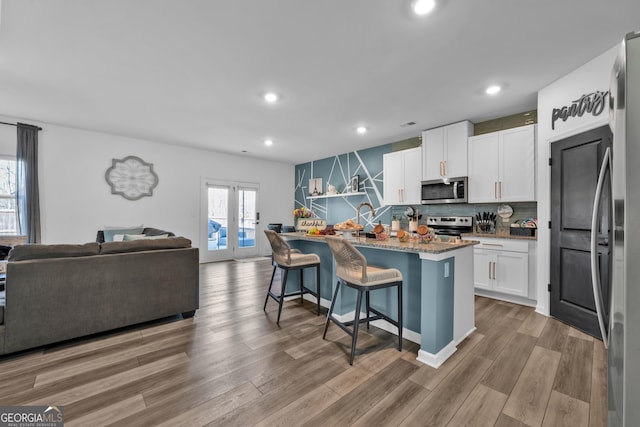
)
(575, 164)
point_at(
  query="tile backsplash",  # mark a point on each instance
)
(521, 210)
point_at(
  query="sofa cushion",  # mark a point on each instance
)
(37, 251)
(111, 233)
(128, 237)
(144, 245)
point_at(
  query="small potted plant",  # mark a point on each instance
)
(301, 213)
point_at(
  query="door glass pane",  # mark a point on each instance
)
(247, 215)
(218, 217)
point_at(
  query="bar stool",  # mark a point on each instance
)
(287, 259)
(352, 271)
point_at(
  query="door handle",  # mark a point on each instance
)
(595, 268)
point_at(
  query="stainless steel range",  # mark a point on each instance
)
(450, 225)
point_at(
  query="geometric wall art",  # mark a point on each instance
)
(338, 173)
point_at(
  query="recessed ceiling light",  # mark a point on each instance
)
(361, 130)
(268, 142)
(492, 90)
(270, 97)
(423, 7)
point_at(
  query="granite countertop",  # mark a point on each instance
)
(499, 234)
(434, 247)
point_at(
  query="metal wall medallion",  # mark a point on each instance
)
(131, 177)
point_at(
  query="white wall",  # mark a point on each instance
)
(594, 75)
(76, 201)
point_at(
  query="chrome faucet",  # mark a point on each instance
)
(373, 211)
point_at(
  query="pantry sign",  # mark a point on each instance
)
(592, 103)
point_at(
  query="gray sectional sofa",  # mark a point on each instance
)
(59, 292)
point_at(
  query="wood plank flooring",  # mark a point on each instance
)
(231, 365)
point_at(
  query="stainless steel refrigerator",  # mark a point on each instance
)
(620, 321)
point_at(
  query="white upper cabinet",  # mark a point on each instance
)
(401, 174)
(444, 151)
(502, 166)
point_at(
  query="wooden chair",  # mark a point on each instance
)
(353, 271)
(287, 259)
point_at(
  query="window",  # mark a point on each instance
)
(8, 218)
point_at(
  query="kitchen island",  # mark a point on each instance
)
(438, 294)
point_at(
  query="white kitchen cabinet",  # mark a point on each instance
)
(501, 266)
(401, 173)
(502, 166)
(444, 151)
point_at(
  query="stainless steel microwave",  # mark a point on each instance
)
(446, 190)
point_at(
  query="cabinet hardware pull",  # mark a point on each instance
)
(494, 270)
(495, 189)
(440, 171)
(492, 244)
(490, 270)
(445, 168)
(500, 189)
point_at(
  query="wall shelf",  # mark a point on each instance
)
(328, 196)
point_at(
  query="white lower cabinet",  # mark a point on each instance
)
(501, 266)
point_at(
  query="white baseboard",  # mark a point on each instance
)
(462, 338)
(435, 360)
(505, 297)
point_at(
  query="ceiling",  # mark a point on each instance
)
(193, 72)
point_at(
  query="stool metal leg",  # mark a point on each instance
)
(318, 288)
(356, 321)
(302, 286)
(269, 290)
(368, 306)
(281, 299)
(333, 302)
(400, 316)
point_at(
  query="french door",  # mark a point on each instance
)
(230, 225)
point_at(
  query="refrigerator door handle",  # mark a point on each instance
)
(595, 268)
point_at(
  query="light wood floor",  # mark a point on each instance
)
(232, 366)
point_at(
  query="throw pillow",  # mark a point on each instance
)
(128, 237)
(110, 233)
